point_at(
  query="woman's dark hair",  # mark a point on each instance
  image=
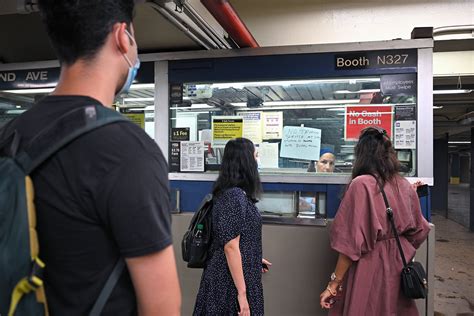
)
(374, 155)
(239, 169)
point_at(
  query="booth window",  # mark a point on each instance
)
(297, 126)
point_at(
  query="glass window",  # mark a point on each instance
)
(303, 127)
(138, 104)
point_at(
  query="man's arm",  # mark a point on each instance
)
(156, 283)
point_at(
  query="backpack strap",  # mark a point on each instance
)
(62, 131)
(108, 287)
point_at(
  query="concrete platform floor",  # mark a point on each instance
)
(458, 203)
(454, 268)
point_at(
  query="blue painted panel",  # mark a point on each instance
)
(192, 193)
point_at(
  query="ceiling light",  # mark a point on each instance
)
(452, 91)
(138, 99)
(437, 107)
(138, 86)
(459, 142)
(304, 102)
(241, 85)
(358, 91)
(29, 91)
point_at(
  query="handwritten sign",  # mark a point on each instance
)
(300, 143)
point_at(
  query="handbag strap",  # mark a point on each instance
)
(392, 223)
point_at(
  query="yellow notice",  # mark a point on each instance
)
(137, 118)
(225, 128)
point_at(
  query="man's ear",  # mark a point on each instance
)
(122, 40)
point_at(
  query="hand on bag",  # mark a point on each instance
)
(326, 298)
(266, 265)
(244, 305)
(417, 184)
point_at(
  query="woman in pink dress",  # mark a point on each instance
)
(366, 280)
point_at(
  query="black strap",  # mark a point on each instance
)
(62, 131)
(392, 223)
(108, 287)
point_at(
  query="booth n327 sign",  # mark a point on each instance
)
(360, 117)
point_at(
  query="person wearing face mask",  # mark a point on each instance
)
(326, 162)
(104, 197)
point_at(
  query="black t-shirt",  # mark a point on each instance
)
(102, 196)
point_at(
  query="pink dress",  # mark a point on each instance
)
(361, 231)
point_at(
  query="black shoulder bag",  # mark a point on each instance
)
(413, 277)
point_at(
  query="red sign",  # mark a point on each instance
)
(360, 117)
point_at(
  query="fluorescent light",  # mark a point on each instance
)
(358, 91)
(142, 86)
(194, 106)
(138, 99)
(241, 85)
(437, 107)
(29, 91)
(452, 91)
(305, 102)
(337, 109)
(459, 142)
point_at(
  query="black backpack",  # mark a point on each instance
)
(21, 268)
(198, 238)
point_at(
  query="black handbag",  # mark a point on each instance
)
(414, 282)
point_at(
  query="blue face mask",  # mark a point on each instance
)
(132, 71)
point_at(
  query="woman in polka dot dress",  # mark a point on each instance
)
(231, 283)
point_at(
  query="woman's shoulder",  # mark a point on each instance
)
(233, 193)
(364, 180)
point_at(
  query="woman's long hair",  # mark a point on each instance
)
(239, 169)
(374, 155)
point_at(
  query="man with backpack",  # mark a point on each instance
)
(101, 193)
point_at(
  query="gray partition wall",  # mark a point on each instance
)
(302, 262)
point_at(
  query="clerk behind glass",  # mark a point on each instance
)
(325, 163)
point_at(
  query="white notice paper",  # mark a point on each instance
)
(268, 153)
(272, 125)
(301, 143)
(192, 156)
(405, 135)
(252, 126)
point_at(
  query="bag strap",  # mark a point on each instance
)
(108, 287)
(62, 131)
(392, 223)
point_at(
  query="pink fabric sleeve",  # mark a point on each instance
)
(356, 227)
(417, 235)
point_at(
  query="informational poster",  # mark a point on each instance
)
(192, 156)
(360, 117)
(252, 126)
(398, 84)
(405, 113)
(225, 128)
(405, 135)
(179, 134)
(137, 117)
(174, 157)
(301, 143)
(272, 125)
(268, 154)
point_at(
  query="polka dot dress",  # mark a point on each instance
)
(233, 214)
